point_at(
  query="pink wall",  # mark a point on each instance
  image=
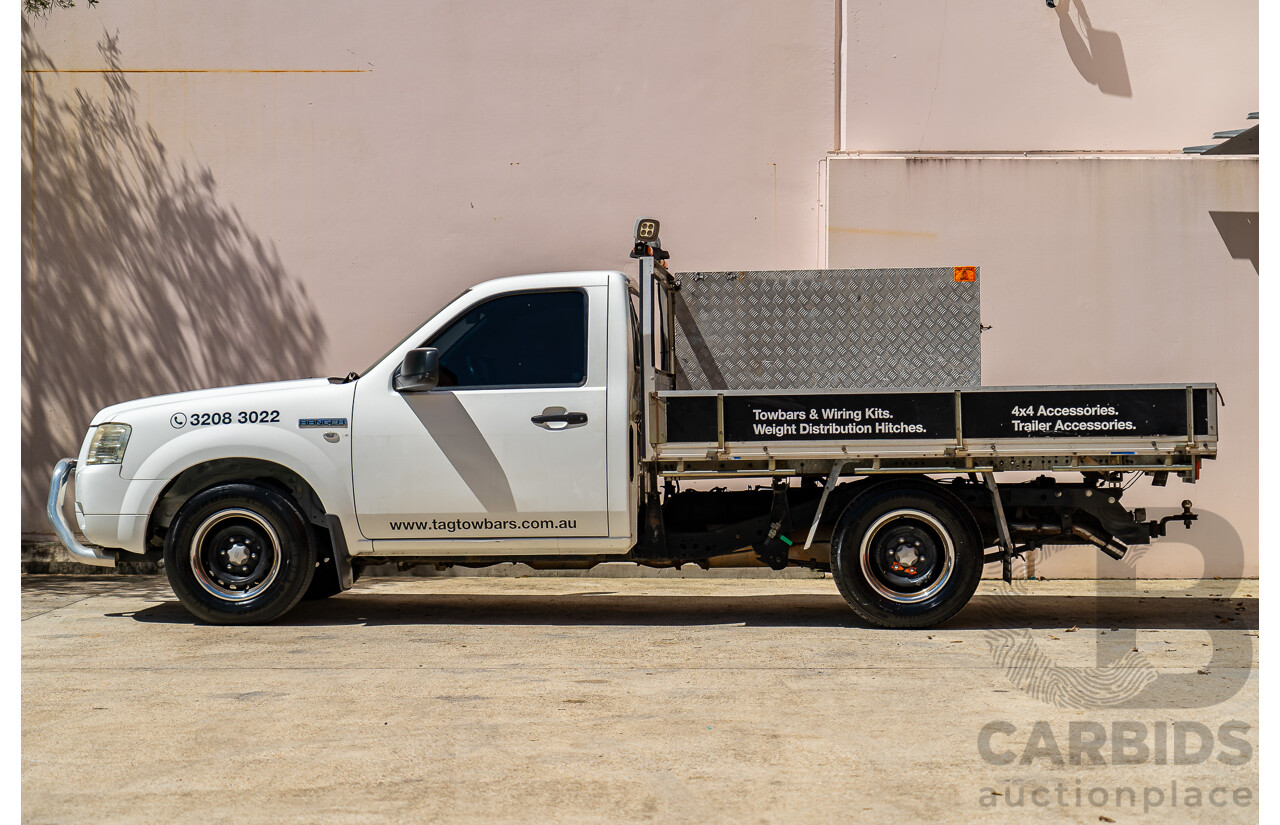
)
(1095, 268)
(1015, 75)
(286, 188)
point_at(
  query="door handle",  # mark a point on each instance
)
(559, 420)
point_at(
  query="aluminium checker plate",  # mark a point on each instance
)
(827, 328)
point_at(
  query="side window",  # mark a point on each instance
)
(528, 339)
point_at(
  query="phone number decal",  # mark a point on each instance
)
(205, 419)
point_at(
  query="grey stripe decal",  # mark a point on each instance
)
(462, 443)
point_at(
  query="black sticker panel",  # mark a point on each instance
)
(861, 417)
(1105, 413)
(1031, 413)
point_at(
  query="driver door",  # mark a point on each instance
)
(510, 444)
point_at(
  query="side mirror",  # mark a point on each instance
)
(419, 372)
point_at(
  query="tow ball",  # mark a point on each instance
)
(1159, 528)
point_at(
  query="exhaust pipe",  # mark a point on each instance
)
(1108, 545)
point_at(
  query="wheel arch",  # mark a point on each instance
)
(846, 493)
(906, 483)
(206, 474)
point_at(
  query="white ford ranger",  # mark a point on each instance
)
(546, 419)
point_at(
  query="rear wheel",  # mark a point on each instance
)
(239, 554)
(905, 556)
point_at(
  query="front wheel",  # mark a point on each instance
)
(239, 554)
(905, 556)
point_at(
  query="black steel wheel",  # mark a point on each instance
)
(239, 554)
(906, 555)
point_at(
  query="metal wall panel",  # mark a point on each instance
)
(827, 328)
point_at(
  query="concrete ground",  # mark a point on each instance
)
(488, 700)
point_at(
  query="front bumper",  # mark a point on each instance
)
(58, 520)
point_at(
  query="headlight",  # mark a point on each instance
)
(109, 441)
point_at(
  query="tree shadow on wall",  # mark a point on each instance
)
(137, 279)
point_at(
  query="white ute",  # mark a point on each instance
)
(536, 418)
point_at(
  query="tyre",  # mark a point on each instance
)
(906, 556)
(239, 554)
